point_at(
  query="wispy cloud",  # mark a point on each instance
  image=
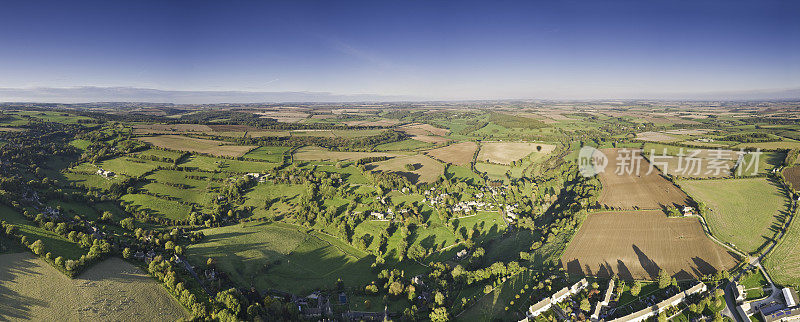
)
(361, 54)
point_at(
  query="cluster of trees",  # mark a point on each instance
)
(97, 248)
(367, 143)
(751, 137)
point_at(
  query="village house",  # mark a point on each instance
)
(105, 174)
(598, 310)
(545, 304)
(644, 314)
(257, 176)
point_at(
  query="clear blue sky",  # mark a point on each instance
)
(432, 49)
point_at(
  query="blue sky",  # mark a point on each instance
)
(425, 49)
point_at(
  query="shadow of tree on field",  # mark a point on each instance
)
(13, 305)
(648, 264)
(623, 272)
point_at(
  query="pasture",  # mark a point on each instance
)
(642, 189)
(52, 241)
(225, 165)
(783, 263)
(458, 154)
(743, 212)
(131, 167)
(508, 152)
(407, 145)
(281, 256)
(158, 206)
(636, 244)
(785, 144)
(268, 153)
(112, 290)
(425, 168)
(311, 153)
(182, 143)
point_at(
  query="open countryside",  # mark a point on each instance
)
(531, 161)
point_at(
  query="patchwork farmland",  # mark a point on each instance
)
(637, 244)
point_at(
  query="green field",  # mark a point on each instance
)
(282, 257)
(131, 166)
(268, 153)
(225, 165)
(783, 263)
(157, 206)
(743, 212)
(52, 241)
(494, 171)
(159, 153)
(269, 199)
(409, 144)
(462, 173)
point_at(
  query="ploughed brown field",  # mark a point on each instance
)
(422, 129)
(171, 128)
(637, 244)
(634, 190)
(792, 175)
(458, 154)
(182, 143)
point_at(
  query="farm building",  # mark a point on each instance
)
(105, 173)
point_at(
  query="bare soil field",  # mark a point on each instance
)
(431, 139)
(507, 152)
(637, 244)
(792, 175)
(634, 190)
(458, 154)
(10, 129)
(113, 290)
(427, 169)
(171, 128)
(233, 128)
(312, 153)
(285, 116)
(688, 131)
(382, 123)
(655, 137)
(422, 129)
(182, 143)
